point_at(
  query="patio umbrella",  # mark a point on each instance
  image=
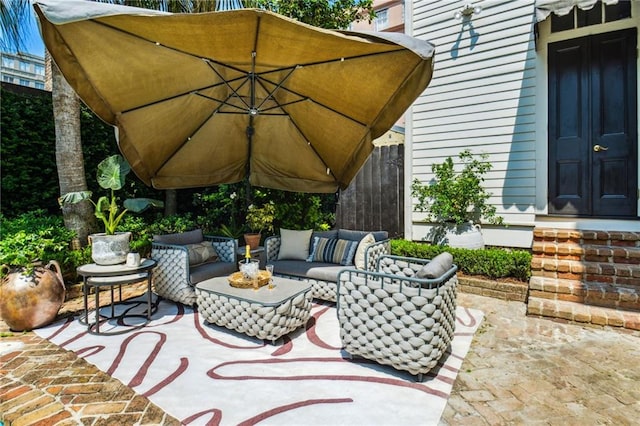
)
(204, 99)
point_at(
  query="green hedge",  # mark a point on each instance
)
(491, 262)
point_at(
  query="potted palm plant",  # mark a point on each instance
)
(259, 219)
(110, 247)
(456, 201)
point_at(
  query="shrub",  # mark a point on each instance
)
(142, 231)
(33, 236)
(457, 197)
(490, 262)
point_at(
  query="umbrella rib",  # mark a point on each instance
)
(303, 97)
(278, 86)
(179, 147)
(326, 61)
(329, 171)
(283, 105)
(235, 92)
(157, 43)
(176, 96)
(221, 102)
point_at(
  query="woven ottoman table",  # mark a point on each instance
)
(264, 313)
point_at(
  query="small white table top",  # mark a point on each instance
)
(94, 270)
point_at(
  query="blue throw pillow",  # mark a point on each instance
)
(333, 250)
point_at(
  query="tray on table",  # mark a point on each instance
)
(237, 279)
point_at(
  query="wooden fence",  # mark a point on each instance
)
(375, 198)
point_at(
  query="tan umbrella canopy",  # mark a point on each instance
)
(204, 99)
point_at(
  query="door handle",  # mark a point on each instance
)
(598, 148)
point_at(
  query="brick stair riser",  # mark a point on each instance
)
(591, 269)
(583, 313)
(609, 273)
(577, 255)
(590, 293)
(596, 300)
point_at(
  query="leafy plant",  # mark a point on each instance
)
(33, 237)
(231, 231)
(140, 235)
(260, 219)
(111, 175)
(172, 224)
(222, 210)
(295, 210)
(457, 197)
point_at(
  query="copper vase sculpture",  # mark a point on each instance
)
(29, 301)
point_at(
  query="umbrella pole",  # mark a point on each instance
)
(248, 196)
(253, 111)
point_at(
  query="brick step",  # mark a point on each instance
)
(590, 252)
(589, 293)
(505, 290)
(602, 238)
(580, 313)
(623, 274)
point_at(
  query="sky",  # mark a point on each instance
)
(30, 34)
(34, 44)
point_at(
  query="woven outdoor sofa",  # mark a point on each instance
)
(403, 315)
(187, 258)
(318, 257)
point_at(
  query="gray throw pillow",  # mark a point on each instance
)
(294, 245)
(201, 253)
(437, 267)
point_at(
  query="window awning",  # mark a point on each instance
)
(544, 8)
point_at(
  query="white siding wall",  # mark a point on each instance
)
(482, 97)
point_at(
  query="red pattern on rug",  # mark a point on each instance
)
(207, 375)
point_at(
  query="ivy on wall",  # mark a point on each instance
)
(27, 152)
(28, 164)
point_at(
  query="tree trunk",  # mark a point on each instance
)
(170, 202)
(69, 158)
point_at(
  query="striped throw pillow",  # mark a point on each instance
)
(332, 250)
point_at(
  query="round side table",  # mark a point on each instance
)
(97, 277)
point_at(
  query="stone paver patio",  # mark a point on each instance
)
(519, 370)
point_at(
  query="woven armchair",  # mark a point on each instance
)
(395, 318)
(175, 279)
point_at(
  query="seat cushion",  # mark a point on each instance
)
(315, 270)
(347, 234)
(205, 271)
(325, 272)
(180, 238)
(325, 234)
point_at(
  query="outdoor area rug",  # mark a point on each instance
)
(206, 375)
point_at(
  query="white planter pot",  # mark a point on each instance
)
(466, 236)
(109, 249)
